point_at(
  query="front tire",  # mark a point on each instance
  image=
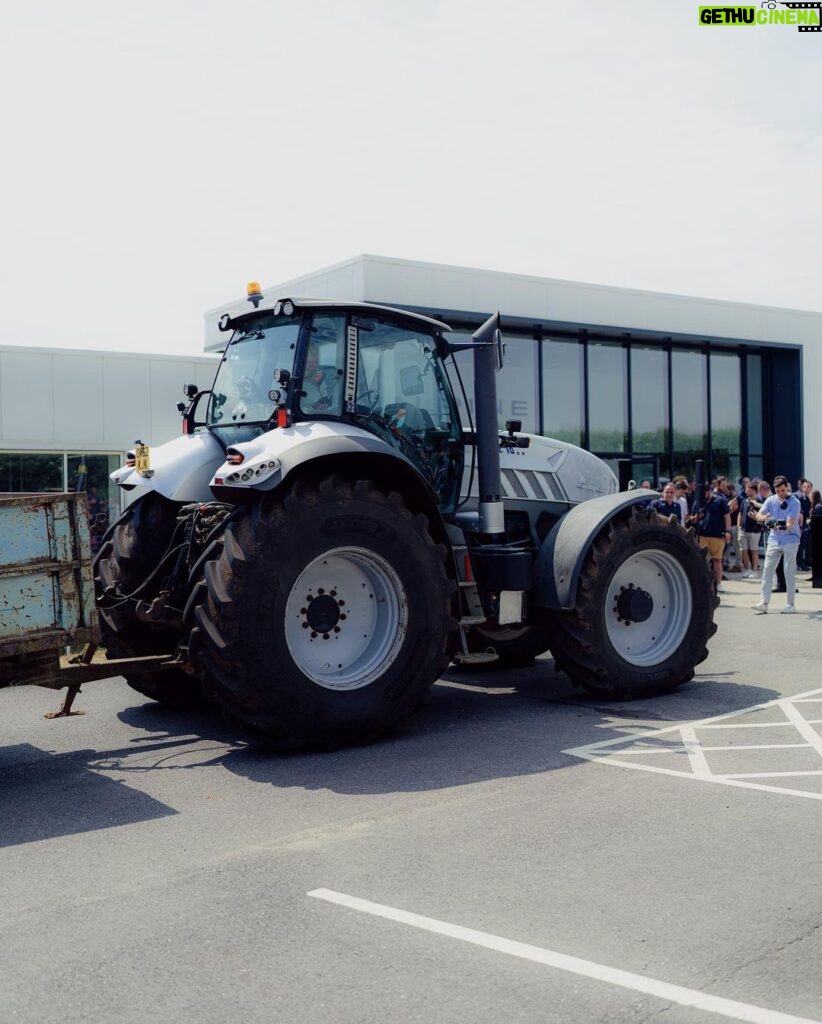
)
(130, 553)
(326, 616)
(644, 610)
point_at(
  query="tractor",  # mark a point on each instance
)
(325, 536)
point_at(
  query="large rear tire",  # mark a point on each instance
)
(130, 552)
(326, 615)
(644, 610)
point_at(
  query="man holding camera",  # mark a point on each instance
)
(781, 514)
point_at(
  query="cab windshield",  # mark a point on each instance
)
(245, 389)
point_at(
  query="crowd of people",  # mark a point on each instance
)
(734, 520)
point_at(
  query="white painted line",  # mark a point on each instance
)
(758, 746)
(699, 764)
(572, 964)
(767, 775)
(747, 725)
(720, 780)
(804, 728)
(704, 723)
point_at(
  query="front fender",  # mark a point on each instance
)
(562, 554)
(179, 470)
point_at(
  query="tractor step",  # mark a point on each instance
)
(472, 620)
(475, 658)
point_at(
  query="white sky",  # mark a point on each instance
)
(158, 155)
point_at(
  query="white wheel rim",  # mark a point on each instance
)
(355, 632)
(663, 579)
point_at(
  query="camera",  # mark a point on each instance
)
(776, 524)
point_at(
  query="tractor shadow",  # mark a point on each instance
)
(44, 795)
(479, 726)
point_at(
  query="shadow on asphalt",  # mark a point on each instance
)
(479, 726)
(45, 795)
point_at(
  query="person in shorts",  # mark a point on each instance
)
(714, 532)
(750, 532)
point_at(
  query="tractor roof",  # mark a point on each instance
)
(365, 308)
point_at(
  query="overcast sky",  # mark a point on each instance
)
(157, 156)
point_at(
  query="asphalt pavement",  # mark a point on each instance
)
(520, 853)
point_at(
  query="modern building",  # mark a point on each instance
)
(655, 378)
(658, 379)
(67, 417)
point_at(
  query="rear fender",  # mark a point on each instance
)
(268, 459)
(322, 449)
(562, 554)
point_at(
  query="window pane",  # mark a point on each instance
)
(90, 473)
(516, 382)
(26, 472)
(754, 397)
(607, 397)
(563, 399)
(726, 413)
(649, 399)
(756, 466)
(465, 364)
(690, 410)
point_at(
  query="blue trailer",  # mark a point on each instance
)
(47, 603)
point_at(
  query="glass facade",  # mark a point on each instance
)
(661, 405)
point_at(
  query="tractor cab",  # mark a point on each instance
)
(303, 361)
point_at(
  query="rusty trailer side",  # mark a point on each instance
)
(46, 584)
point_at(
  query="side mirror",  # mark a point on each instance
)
(499, 350)
(188, 412)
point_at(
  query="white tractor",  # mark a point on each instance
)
(326, 535)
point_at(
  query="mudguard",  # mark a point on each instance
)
(181, 469)
(562, 554)
(269, 458)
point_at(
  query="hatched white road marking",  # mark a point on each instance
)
(675, 740)
(574, 965)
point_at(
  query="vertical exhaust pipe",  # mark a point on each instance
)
(488, 355)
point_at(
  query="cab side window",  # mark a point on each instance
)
(322, 383)
(400, 379)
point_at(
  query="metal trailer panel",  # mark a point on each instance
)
(46, 580)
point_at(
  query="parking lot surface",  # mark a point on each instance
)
(521, 852)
